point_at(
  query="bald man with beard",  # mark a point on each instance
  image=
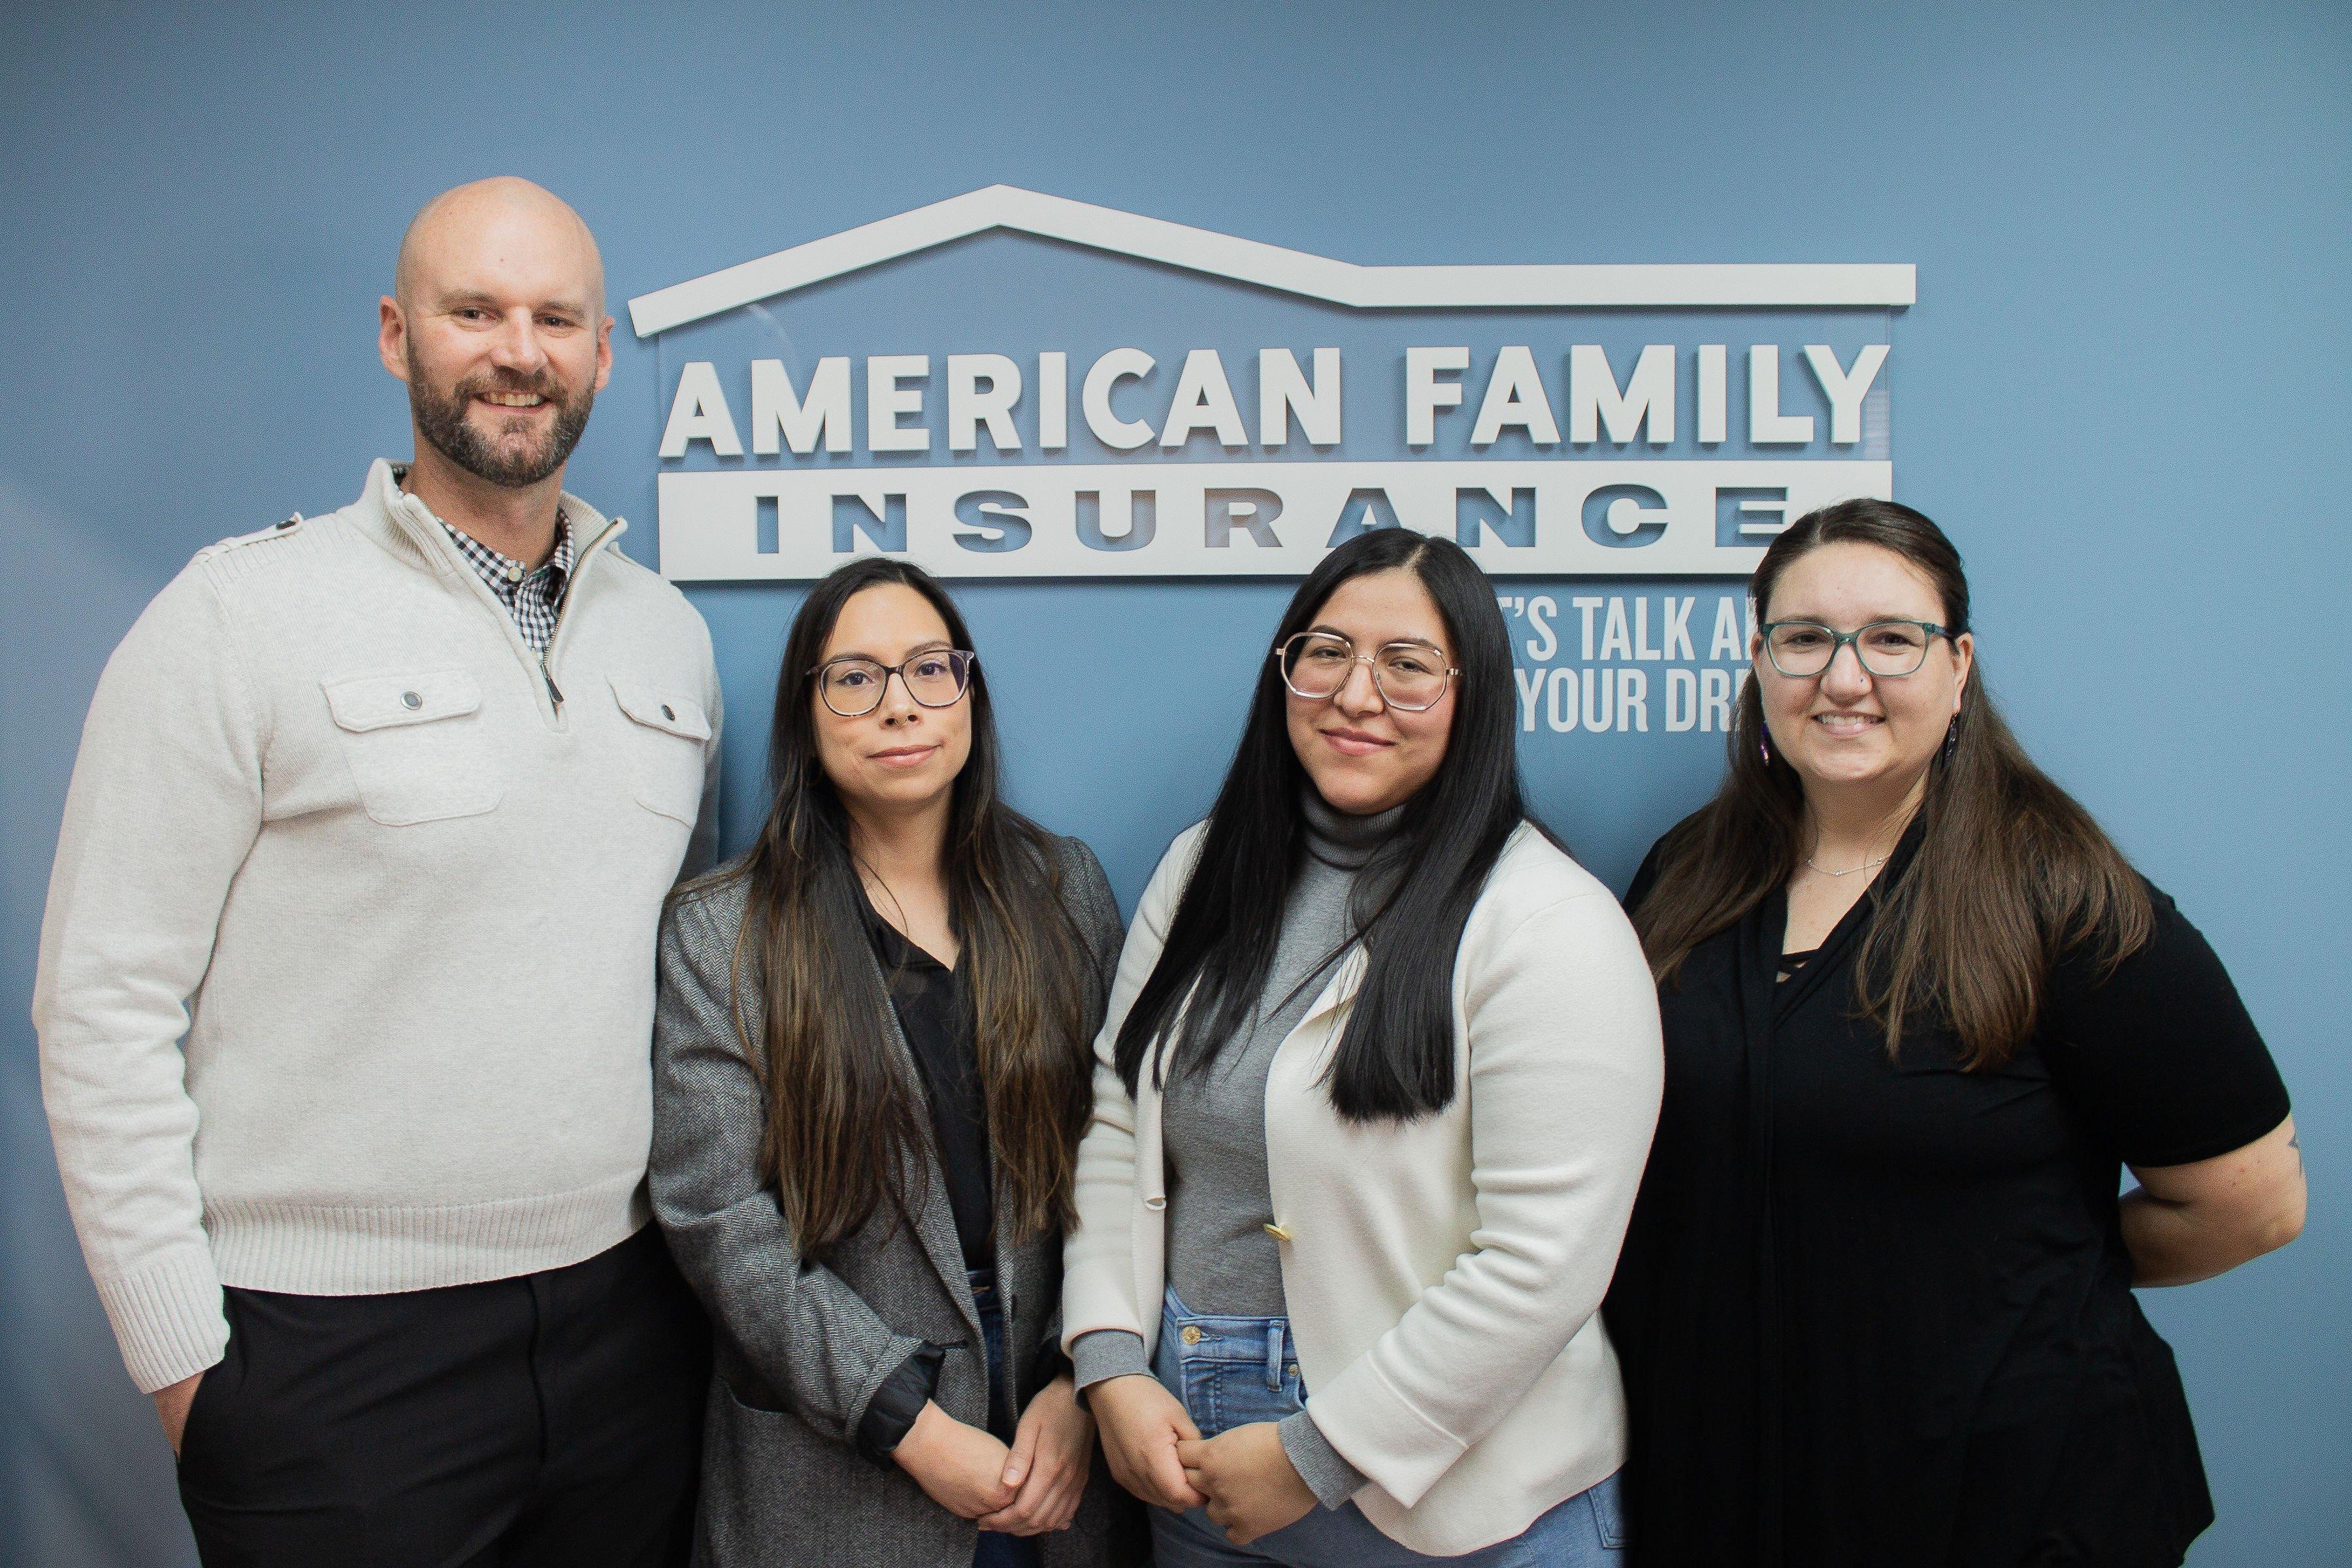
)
(346, 980)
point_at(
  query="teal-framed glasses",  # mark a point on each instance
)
(1804, 648)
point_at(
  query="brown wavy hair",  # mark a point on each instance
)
(846, 1127)
(2009, 873)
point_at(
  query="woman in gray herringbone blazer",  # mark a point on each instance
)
(871, 1051)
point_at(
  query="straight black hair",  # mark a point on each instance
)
(1396, 1060)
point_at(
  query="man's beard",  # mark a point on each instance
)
(443, 422)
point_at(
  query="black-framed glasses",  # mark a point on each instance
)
(1411, 676)
(851, 685)
(1892, 648)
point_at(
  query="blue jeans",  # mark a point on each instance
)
(997, 1550)
(1230, 1372)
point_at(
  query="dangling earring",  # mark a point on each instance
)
(1951, 739)
(1764, 747)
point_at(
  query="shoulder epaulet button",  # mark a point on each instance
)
(275, 531)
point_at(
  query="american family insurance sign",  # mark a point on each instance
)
(1011, 384)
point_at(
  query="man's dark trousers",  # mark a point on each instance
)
(550, 1418)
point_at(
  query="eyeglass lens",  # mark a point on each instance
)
(854, 686)
(1886, 648)
(1316, 665)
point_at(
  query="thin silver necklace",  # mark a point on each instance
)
(1867, 865)
(1850, 871)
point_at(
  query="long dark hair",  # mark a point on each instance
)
(2008, 874)
(1396, 1059)
(843, 1124)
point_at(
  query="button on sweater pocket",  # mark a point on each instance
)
(665, 764)
(416, 744)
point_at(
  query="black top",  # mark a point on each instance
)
(1878, 1312)
(935, 1015)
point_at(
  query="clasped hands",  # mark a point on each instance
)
(1029, 1488)
(1155, 1451)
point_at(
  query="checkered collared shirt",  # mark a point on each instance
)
(533, 597)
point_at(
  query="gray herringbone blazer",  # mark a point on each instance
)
(800, 1347)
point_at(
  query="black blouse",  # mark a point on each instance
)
(928, 999)
(1877, 1312)
(936, 1018)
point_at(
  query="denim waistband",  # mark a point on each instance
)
(1209, 1336)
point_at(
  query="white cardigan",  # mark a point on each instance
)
(1442, 1277)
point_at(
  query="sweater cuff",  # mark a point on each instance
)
(1107, 1353)
(1330, 1477)
(168, 1319)
(890, 1413)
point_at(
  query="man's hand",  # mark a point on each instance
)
(1141, 1424)
(962, 1467)
(1252, 1488)
(1053, 1448)
(172, 1402)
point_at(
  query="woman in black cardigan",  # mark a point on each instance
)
(1875, 1306)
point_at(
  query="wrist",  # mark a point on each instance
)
(1115, 1390)
(922, 1437)
(1063, 1392)
(898, 1400)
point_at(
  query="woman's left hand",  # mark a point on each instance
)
(1053, 1448)
(1252, 1487)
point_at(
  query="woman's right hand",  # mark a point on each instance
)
(1141, 1423)
(961, 1467)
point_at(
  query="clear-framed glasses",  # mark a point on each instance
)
(1802, 648)
(853, 685)
(1411, 676)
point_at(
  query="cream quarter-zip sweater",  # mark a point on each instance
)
(1442, 1277)
(346, 978)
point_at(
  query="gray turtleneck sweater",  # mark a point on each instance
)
(1221, 1260)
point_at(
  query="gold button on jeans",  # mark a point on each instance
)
(1191, 1334)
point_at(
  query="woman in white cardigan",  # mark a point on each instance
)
(1347, 1203)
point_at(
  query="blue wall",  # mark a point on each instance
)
(2124, 390)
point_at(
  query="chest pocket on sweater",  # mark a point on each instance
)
(416, 746)
(667, 748)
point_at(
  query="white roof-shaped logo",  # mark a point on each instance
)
(1557, 286)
